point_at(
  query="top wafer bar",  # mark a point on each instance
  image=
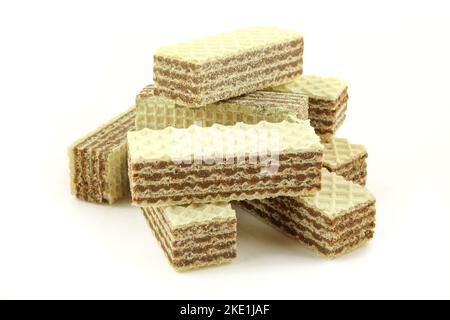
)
(156, 112)
(204, 71)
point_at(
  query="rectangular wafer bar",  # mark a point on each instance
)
(98, 162)
(327, 102)
(156, 112)
(346, 159)
(195, 236)
(223, 163)
(337, 219)
(207, 70)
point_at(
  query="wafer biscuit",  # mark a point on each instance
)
(98, 162)
(327, 102)
(222, 163)
(156, 112)
(346, 159)
(337, 219)
(204, 71)
(195, 236)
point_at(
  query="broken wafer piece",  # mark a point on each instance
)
(336, 220)
(98, 162)
(223, 163)
(156, 112)
(195, 236)
(207, 70)
(346, 159)
(327, 102)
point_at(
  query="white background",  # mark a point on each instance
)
(66, 68)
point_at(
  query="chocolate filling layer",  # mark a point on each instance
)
(227, 183)
(217, 196)
(177, 253)
(204, 259)
(297, 202)
(284, 215)
(329, 103)
(217, 96)
(205, 239)
(206, 87)
(224, 172)
(201, 78)
(317, 111)
(318, 122)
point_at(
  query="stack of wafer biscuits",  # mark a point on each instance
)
(229, 120)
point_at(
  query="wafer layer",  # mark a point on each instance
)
(98, 162)
(337, 219)
(205, 71)
(195, 236)
(156, 112)
(223, 163)
(327, 102)
(346, 159)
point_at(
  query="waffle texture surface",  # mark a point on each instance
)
(156, 112)
(207, 142)
(317, 87)
(340, 151)
(346, 159)
(227, 44)
(337, 196)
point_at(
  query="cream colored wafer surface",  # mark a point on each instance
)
(323, 88)
(218, 140)
(183, 216)
(340, 151)
(227, 44)
(337, 196)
